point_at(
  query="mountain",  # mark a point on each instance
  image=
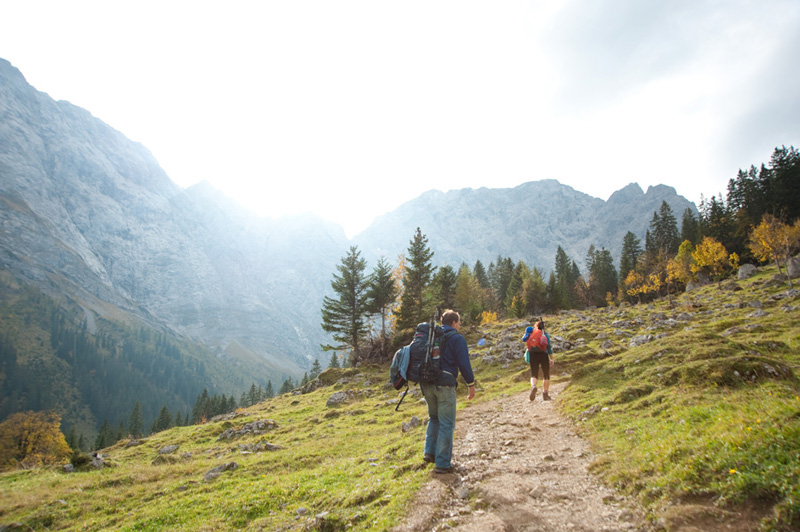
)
(89, 213)
(527, 223)
(89, 220)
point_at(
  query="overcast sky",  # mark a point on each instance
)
(348, 109)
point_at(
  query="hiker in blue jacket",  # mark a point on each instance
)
(441, 397)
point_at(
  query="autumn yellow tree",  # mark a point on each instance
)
(634, 284)
(710, 257)
(30, 439)
(774, 240)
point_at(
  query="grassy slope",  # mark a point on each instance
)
(670, 418)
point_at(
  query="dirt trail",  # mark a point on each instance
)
(520, 467)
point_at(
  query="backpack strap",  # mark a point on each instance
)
(446, 336)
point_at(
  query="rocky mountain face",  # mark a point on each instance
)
(527, 223)
(87, 213)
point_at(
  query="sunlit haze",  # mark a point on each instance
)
(348, 109)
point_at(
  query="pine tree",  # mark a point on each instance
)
(565, 270)
(382, 292)
(202, 408)
(603, 278)
(135, 421)
(664, 231)
(513, 296)
(269, 393)
(418, 273)
(252, 396)
(784, 180)
(480, 274)
(444, 286)
(72, 439)
(163, 421)
(334, 361)
(468, 294)
(345, 316)
(104, 437)
(631, 249)
(287, 386)
(316, 369)
(690, 227)
(500, 278)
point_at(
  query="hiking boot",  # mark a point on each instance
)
(545, 396)
(532, 396)
(443, 470)
(429, 458)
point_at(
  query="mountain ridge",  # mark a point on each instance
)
(88, 215)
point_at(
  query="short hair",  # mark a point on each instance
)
(450, 317)
(540, 325)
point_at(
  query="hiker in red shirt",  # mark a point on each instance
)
(540, 354)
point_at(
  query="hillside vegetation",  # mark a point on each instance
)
(56, 355)
(705, 408)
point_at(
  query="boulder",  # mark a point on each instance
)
(339, 398)
(413, 423)
(793, 267)
(746, 271)
(168, 449)
(217, 471)
(641, 340)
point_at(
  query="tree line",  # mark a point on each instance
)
(756, 222)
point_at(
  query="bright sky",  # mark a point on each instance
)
(350, 108)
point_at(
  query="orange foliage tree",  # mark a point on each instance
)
(710, 257)
(30, 439)
(774, 240)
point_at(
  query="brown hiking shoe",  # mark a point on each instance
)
(545, 396)
(533, 394)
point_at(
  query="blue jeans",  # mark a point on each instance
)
(442, 412)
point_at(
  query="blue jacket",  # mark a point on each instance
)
(455, 356)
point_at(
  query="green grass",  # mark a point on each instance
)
(695, 413)
(699, 412)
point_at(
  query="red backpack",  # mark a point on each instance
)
(537, 342)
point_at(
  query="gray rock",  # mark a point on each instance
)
(98, 462)
(168, 449)
(412, 423)
(641, 340)
(341, 397)
(261, 426)
(217, 471)
(793, 267)
(746, 271)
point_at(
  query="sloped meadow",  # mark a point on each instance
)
(690, 399)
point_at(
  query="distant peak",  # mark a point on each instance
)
(627, 193)
(659, 190)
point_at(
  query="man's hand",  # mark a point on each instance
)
(471, 392)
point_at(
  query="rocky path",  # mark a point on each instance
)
(519, 467)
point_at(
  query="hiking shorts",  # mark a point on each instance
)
(540, 359)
